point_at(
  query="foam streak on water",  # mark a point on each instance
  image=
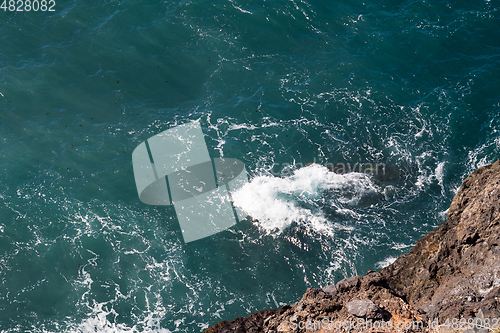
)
(301, 198)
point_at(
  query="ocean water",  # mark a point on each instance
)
(293, 88)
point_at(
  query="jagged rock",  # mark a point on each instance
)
(373, 279)
(364, 308)
(453, 269)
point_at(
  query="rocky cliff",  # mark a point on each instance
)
(452, 272)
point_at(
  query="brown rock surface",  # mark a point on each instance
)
(455, 268)
(452, 272)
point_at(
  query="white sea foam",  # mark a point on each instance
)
(386, 262)
(277, 202)
(400, 246)
(98, 322)
(427, 175)
(439, 175)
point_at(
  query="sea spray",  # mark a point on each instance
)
(277, 202)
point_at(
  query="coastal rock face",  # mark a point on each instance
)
(455, 268)
(368, 297)
(452, 272)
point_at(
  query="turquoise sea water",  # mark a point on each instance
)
(277, 84)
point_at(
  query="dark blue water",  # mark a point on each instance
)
(412, 85)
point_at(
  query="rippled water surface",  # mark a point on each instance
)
(294, 89)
